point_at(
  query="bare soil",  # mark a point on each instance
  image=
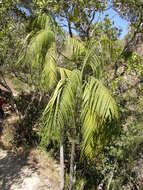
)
(28, 170)
(22, 168)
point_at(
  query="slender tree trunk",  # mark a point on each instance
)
(62, 160)
(69, 27)
(71, 165)
(72, 157)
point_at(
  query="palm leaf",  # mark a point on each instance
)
(60, 110)
(93, 60)
(98, 107)
(49, 73)
(38, 48)
(98, 54)
(74, 48)
(40, 57)
(46, 21)
(64, 73)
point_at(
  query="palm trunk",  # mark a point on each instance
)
(62, 161)
(71, 165)
(72, 158)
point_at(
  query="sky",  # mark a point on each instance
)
(113, 15)
(118, 21)
(24, 10)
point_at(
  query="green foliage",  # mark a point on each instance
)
(72, 12)
(13, 30)
(122, 155)
(134, 63)
(132, 8)
(94, 62)
(80, 184)
(56, 115)
(96, 110)
(40, 55)
(98, 107)
(74, 49)
(44, 22)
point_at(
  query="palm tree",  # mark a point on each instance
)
(97, 107)
(81, 97)
(74, 68)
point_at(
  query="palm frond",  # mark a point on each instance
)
(38, 48)
(46, 21)
(48, 78)
(98, 54)
(64, 73)
(90, 126)
(98, 108)
(40, 57)
(93, 63)
(23, 51)
(74, 48)
(50, 126)
(60, 110)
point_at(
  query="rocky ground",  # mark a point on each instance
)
(23, 168)
(27, 171)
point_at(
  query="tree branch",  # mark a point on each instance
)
(126, 47)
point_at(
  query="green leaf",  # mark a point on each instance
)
(98, 107)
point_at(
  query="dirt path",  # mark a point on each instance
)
(21, 169)
(30, 170)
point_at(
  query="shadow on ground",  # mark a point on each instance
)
(13, 169)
